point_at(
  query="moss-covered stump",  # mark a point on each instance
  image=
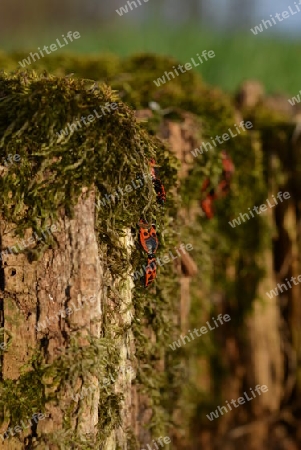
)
(66, 294)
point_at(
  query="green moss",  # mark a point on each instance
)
(41, 383)
(20, 399)
(58, 168)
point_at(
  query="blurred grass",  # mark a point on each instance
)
(272, 60)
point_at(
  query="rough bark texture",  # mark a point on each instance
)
(73, 275)
(65, 277)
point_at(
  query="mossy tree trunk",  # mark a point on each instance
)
(67, 307)
(36, 296)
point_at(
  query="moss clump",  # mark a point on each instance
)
(58, 168)
(22, 398)
(86, 67)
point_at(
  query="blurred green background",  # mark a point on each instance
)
(170, 27)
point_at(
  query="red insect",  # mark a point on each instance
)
(148, 237)
(228, 170)
(150, 272)
(207, 204)
(221, 190)
(149, 242)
